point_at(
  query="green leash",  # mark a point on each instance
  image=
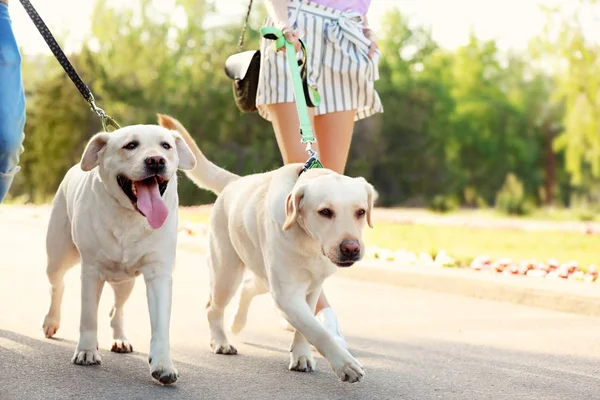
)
(306, 131)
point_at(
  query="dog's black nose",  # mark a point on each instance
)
(155, 163)
(350, 248)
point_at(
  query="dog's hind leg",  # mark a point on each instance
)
(250, 289)
(62, 256)
(226, 271)
(122, 291)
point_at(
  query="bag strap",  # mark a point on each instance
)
(241, 41)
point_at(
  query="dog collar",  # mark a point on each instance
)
(313, 162)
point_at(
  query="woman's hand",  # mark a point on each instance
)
(278, 11)
(369, 34)
(292, 37)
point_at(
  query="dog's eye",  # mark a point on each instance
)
(131, 145)
(326, 212)
(360, 213)
(166, 145)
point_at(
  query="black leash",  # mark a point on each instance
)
(107, 121)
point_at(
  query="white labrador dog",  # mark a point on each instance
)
(116, 213)
(291, 232)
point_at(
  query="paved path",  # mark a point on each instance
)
(413, 344)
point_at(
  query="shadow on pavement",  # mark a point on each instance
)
(40, 369)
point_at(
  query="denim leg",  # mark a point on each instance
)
(12, 103)
(9, 163)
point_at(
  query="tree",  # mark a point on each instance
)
(575, 61)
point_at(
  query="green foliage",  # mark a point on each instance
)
(575, 60)
(511, 198)
(456, 123)
(444, 203)
(472, 199)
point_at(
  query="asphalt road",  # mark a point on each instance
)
(413, 344)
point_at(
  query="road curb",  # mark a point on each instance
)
(557, 295)
(573, 297)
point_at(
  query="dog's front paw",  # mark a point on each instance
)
(164, 373)
(86, 357)
(349, 370)
(50, 326)
(121, 346)
(222, 348)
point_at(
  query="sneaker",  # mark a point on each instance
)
(329, 320)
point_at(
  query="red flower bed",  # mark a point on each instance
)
(532, 268)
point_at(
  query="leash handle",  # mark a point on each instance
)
(107, 121)
(277, 35)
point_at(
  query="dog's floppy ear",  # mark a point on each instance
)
(186, 157)
(292, 206)
(372, 196)
(89, 159)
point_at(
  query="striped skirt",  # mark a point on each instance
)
(338, 61)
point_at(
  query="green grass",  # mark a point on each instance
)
(465, 243)
(555, 214)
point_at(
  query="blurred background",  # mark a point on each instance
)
(487, 104)
(487, 157)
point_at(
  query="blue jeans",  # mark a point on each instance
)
(12, 103)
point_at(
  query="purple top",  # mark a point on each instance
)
(361, 6)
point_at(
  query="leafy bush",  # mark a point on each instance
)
(511, 198)
(586, 215)
(473, 199)
(444, 203)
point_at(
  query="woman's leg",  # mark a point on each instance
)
(12, 103)
(333, 132)
(286, 125)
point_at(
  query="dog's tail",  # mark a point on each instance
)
(206, 174)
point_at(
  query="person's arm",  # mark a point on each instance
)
(278, 12)
(369, 34)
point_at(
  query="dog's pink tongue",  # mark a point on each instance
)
(151, 204)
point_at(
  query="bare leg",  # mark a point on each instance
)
(287, 132)
(333, 133)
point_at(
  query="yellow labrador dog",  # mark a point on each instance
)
(291, 232)
(116, 213)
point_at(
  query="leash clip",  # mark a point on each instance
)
(313, 158)
(108, 123)
(309, 150)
